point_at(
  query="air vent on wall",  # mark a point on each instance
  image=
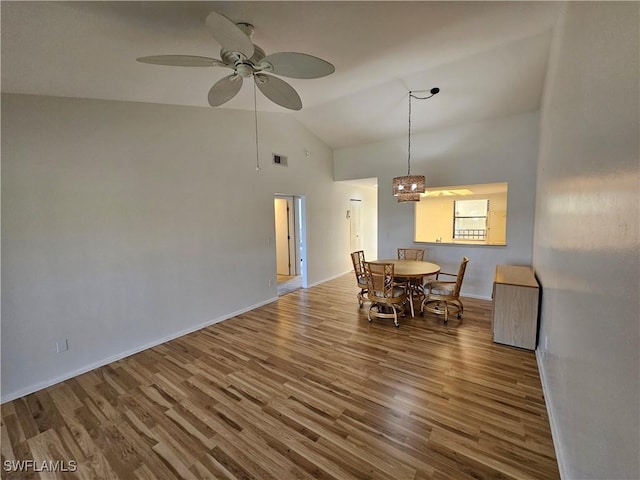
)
(279, 159)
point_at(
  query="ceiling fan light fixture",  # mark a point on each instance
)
(244, 70)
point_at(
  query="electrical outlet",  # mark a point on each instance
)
(269, 283)
(62, 345)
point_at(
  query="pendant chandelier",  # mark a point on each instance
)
(409, 187)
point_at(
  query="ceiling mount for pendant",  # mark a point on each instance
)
(409, 187)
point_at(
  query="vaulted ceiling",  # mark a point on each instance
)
(488, 58)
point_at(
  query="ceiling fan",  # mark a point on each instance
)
(246, 59)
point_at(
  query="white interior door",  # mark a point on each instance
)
(355, 224)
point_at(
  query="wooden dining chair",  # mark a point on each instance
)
(357, 258)
(386, 296)
(411, 254)
(442, 297)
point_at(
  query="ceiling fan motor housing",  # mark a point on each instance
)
(242, 66)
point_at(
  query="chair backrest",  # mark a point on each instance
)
(460, 276)
(411, 254)
(357, 258)
(380, 279)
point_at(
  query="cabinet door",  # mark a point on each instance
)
(515, 315)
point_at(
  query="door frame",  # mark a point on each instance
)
(286, 257)
(299, 234)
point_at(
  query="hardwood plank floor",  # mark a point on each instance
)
(302, 388)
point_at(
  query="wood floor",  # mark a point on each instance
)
(301, 388)
(288, 283)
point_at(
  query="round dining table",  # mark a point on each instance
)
(414, 271)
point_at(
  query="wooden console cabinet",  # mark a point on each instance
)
(515, 306)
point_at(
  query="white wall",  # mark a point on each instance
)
(501, 150)
(121, 226)
(586, 240)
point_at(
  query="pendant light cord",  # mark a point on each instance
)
(409, 154)
(255, 110)
(433, 91)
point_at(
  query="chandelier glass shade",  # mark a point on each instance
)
(409, 187)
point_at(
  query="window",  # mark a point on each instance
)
(470, 219)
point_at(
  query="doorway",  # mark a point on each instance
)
(355, 224)
(289, 242)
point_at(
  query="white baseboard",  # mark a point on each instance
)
(114, 358)
(552, 422)
(477, 297)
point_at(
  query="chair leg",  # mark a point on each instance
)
(443, 307)
(410, 300)
(396, 309)
(413, 313)
(395, 317)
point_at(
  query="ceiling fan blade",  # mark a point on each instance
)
(298, 65)
(229, 35)
(182, 61)
(224, 90)
(278, 91)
